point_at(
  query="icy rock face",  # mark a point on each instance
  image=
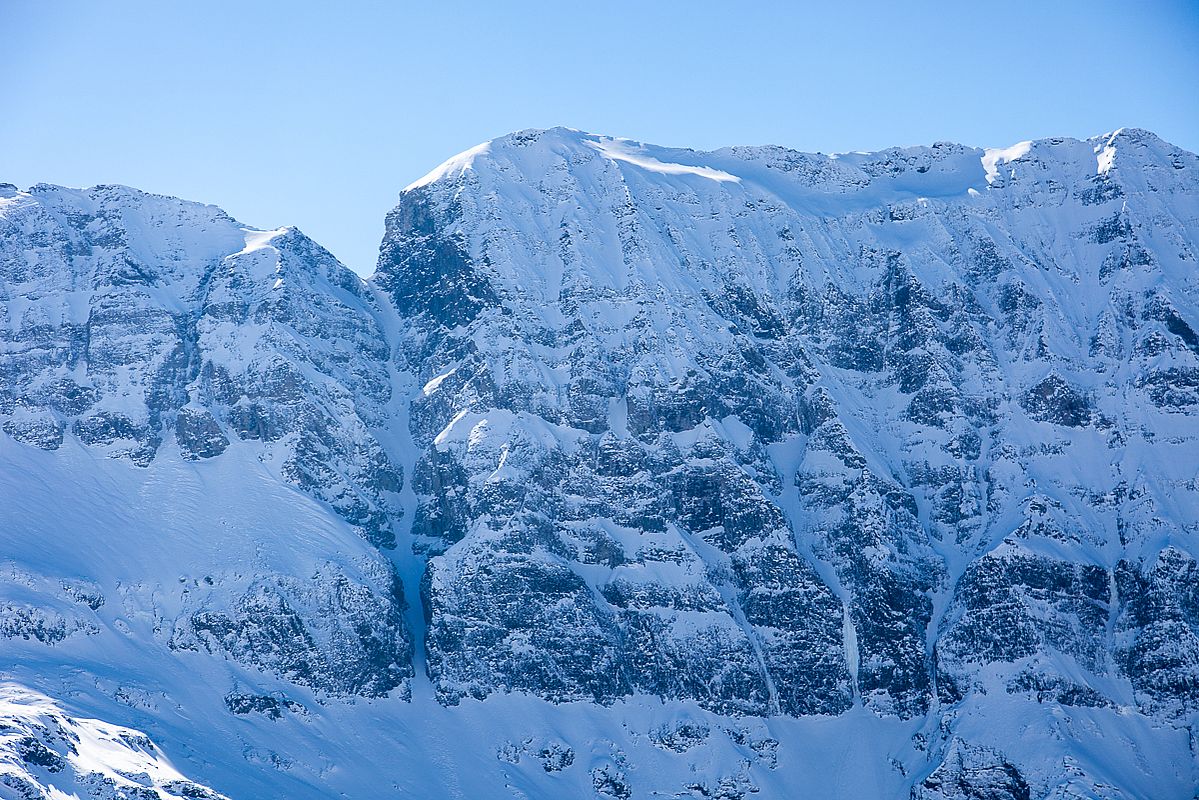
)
(136, 322)
(149, 329)
(46, 753)
(1013, 605)
(588, 461)
(782, 433)
(1158, 630)
(326, 632)
(973, 773)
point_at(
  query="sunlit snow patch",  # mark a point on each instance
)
(256, 240)
(432, 385)
(994, 156)
(622, 150)
(1105, 155)
(44, 752)
(459, 163)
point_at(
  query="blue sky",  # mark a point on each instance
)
(317, 114)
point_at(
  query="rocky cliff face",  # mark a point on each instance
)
(146, 329)
(42, 747)
(138, 321)
(899, 445)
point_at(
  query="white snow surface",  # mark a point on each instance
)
(78, 758)
(994, 156)
(639, 156)
(451, 167)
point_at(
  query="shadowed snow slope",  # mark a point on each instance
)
(633, 471)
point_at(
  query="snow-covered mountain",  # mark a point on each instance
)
(633, 471)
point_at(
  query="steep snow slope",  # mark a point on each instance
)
(40, 746)
(706, 474)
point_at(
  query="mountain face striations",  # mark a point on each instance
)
(632, 471)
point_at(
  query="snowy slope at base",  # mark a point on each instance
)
(42, 749)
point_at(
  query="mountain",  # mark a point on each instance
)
(632, 471)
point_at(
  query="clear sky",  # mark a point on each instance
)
(316, 114)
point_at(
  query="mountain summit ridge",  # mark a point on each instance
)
(558, 138)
